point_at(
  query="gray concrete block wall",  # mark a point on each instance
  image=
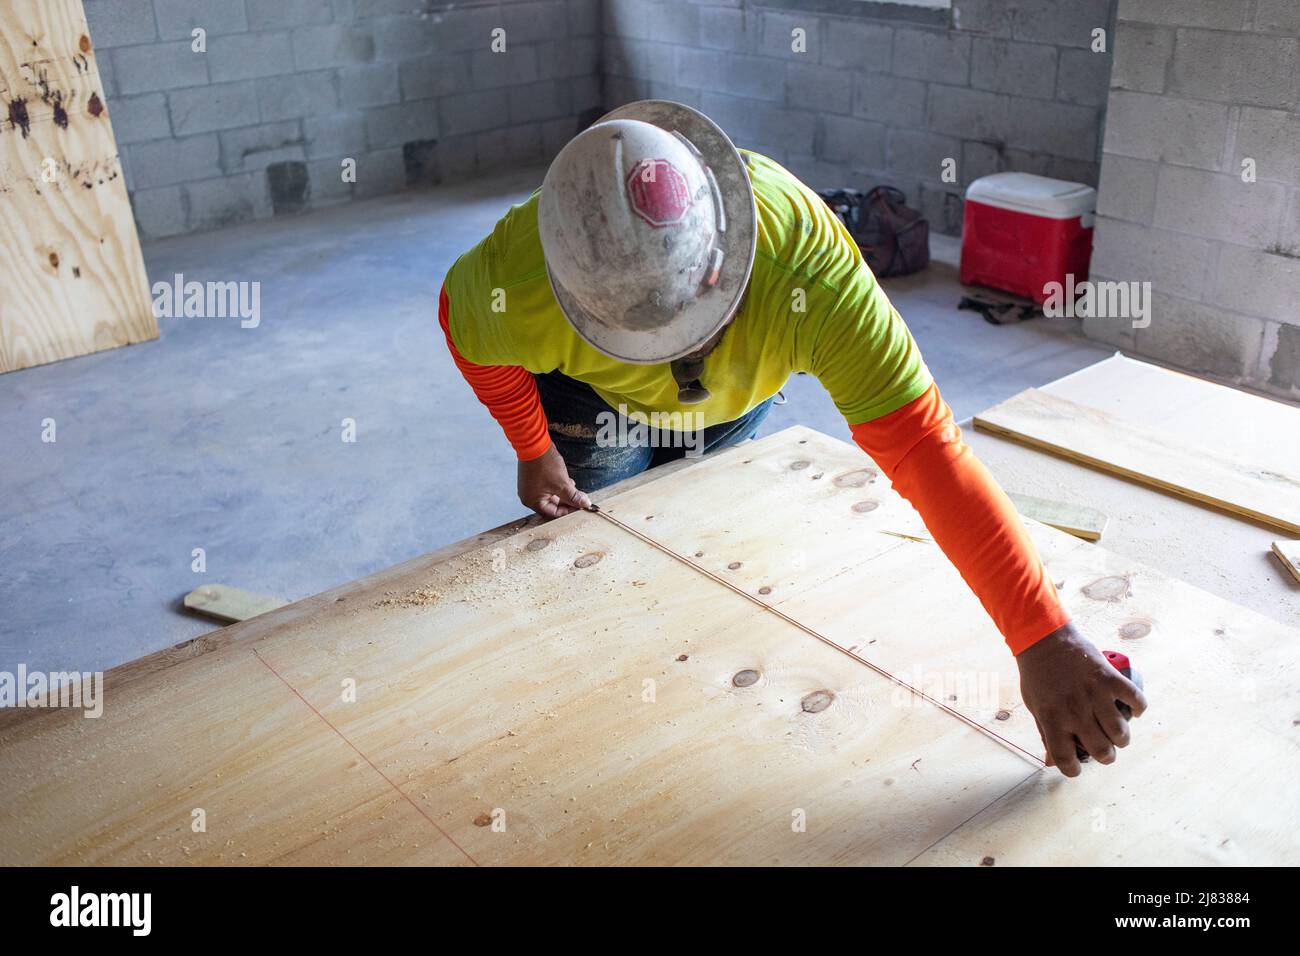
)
(261, 122)
(1200, 91)
(877, 98)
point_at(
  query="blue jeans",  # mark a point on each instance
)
(581, 425)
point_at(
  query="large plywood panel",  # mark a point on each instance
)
(73, 277)
(601, 701)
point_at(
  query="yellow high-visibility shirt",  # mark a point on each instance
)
(812, 306)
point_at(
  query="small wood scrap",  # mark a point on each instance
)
(1078, 520)
(231, 605)
(1288, 552)
(999, 311)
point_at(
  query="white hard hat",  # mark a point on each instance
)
(647, 224)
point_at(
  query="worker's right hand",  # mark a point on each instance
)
(545, 486)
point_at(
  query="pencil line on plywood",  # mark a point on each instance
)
(952, 711)
(373, 766)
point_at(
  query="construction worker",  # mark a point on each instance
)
(659, 271)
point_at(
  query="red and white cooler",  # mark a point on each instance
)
(1022, 231)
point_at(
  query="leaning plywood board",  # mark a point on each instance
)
(74, 279)
(1288, 552)
(1148, 455)
(571, 694)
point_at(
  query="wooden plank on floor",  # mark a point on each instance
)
(230, 604)
(571, 694)
(1078, 520)
(1147, 455)
(1288, 552)
(74, 278)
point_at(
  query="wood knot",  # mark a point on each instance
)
(854, 479)
(764, 590)
(987, 861)
(799, 465)
(682, 657)
(865, 507)
(817, 701)
(537, 544)
(1002, 715)
(1134, 630)
(1113, 588)
(588, 559)
(734, 566)
(745, 678)
(483, 820)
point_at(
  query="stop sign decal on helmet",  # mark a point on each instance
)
(658, 192)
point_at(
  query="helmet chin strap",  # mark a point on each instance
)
(686, 373)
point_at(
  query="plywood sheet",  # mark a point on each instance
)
(74, 279)
(583, 687)
(1149, 455)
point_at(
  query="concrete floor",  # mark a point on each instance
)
(228, 439)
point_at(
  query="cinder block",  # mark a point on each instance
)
(624, 57)
(1272, 139)
(289, 186)
(1201, 338)
(327, 185)
(726, 29)
(178, 18)
(340, 134)
(1061, 130)
(255, 147)
(1166, 129)
(379, 8)
(815, 87)
(545, 100)
(1083, 78)
(246, 56)
(942, 205)
(762, 126)
(389, 126)
(857, 45)
(789, 36)
(660, 64)
(1128, 189)
(736, 73)
(379, 173)
(1258, 282)
(1218, 206)
(989, 17)
(971, 114)
(534, 22)
(297, 95)
(511, 147)
(940, 55)
(1215, 14)
(1005, 66)
(159, 212)
(1084, 171)
(1026, 161)
(587, 94)
(375, 84)
(170, 161)
(474, 112)
(438, 75)
(332, 44)
(1142, 55)
(121, 22)
(1236, 68)
(1171, 262)
(214, 203)
(1277, 17)
(921, 154)
(455, 31)
(859, 143)
(556, 134)
(158, 66)
(278, 14)
(676, 22)
(511, 67)
(1065, 24)
(203, 109)
(575, 56)
(1281, 360)
(137, 119)
(583, 17)
(979, 160)
(889, 99)
(1291, 224)
(626, 18)
(819, 174)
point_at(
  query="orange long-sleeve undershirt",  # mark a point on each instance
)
(920, 450)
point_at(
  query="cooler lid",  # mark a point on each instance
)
(1036, 195)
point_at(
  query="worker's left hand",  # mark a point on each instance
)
(1071, 690)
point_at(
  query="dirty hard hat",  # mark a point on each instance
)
(647, 225)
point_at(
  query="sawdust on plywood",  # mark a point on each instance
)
(417, 597)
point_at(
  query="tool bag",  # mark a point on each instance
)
(893, 237)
